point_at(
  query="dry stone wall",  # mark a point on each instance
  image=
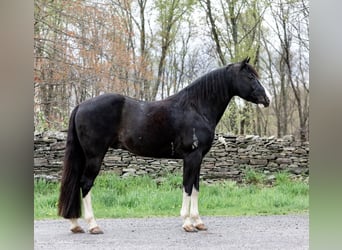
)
(229, 158)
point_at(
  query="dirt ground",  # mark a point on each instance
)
(248, 232)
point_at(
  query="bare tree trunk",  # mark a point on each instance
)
(214, 31)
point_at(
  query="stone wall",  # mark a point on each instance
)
(228, 158)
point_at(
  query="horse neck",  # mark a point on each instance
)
(213, 110)
(212, 95)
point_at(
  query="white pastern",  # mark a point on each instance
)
(194, 213)
(74, 224)
(88, 211)
(185, 214)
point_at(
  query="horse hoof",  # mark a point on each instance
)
(95, 230)
(189, 229)
(77, 230)
(201, 227)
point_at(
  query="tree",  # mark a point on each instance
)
(234, 28)
(290, 84)
(170, 14)
(73, 59)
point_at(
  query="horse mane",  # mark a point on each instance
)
(213, 85)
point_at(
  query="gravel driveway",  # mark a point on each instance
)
(248, 232)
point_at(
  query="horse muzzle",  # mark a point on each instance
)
(266, 101)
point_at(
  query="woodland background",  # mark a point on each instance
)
(151, 49)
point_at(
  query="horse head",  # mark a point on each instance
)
(247, 85)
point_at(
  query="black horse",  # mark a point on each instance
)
(181, 126)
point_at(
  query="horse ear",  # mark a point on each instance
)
(244, 62)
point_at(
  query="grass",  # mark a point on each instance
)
(115, 197)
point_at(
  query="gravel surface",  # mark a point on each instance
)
(248, 232)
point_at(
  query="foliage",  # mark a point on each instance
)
(254, 177)
(115, 197)
(45, 198)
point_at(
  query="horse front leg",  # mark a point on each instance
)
(189, 212)
(194, 213)
(185, 212)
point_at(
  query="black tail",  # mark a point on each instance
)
(69, 204)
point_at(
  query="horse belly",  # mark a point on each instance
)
(148, 129)
(145, 144)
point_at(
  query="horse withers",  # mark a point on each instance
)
(181, 126)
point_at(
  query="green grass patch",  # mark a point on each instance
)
(115, 197)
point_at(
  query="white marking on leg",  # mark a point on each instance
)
(88, 211)
(75, 227)
(185, 211)
(194, 214)
(74, 223)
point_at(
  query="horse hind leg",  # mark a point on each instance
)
(89, 215)
(92, 169)
(75, 227)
